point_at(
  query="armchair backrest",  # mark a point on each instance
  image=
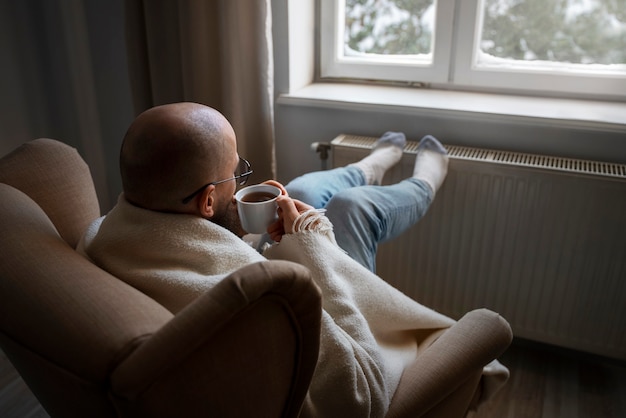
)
(55, 176)
(64, 321)
(88, 344)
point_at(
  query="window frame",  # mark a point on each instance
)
(334, 65)
(457, 33)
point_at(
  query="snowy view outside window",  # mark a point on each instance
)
(399, 28)
(589, 34)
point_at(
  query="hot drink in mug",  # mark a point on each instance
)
(257, 207)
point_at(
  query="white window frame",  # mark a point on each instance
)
(457, 32)
(334, 64)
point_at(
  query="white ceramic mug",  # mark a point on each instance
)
(257, 207)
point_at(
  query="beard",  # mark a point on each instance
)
(228, 217)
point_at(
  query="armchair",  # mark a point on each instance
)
(88, 344)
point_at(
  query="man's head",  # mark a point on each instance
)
(170, 151)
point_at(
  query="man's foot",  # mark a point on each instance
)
(386, 153)
(431, 164)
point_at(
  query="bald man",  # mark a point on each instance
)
(175, 233)
(174, 148)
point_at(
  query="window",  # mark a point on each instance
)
(386, 40)
(558, 47)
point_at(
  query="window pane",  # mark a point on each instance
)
(389, 28)
(590, 34)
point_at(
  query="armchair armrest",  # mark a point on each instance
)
(247, 347)
(454, 361)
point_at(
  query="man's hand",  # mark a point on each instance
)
(288, 211)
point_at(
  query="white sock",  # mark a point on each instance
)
(431, 164)
(386, 153)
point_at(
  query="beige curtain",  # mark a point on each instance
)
(215, 52)
(64, 75)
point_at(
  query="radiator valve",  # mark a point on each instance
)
(322, 149)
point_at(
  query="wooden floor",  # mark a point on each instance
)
(545, 383)
(549, 382)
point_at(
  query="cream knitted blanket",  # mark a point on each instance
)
(367, 325)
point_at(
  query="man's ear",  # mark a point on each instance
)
(206, 202)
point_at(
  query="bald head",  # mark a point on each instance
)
(171, 150)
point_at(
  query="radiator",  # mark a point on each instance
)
(539, 239)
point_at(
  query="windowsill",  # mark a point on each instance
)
(571, 113)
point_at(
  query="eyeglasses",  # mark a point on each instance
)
(242, 173)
